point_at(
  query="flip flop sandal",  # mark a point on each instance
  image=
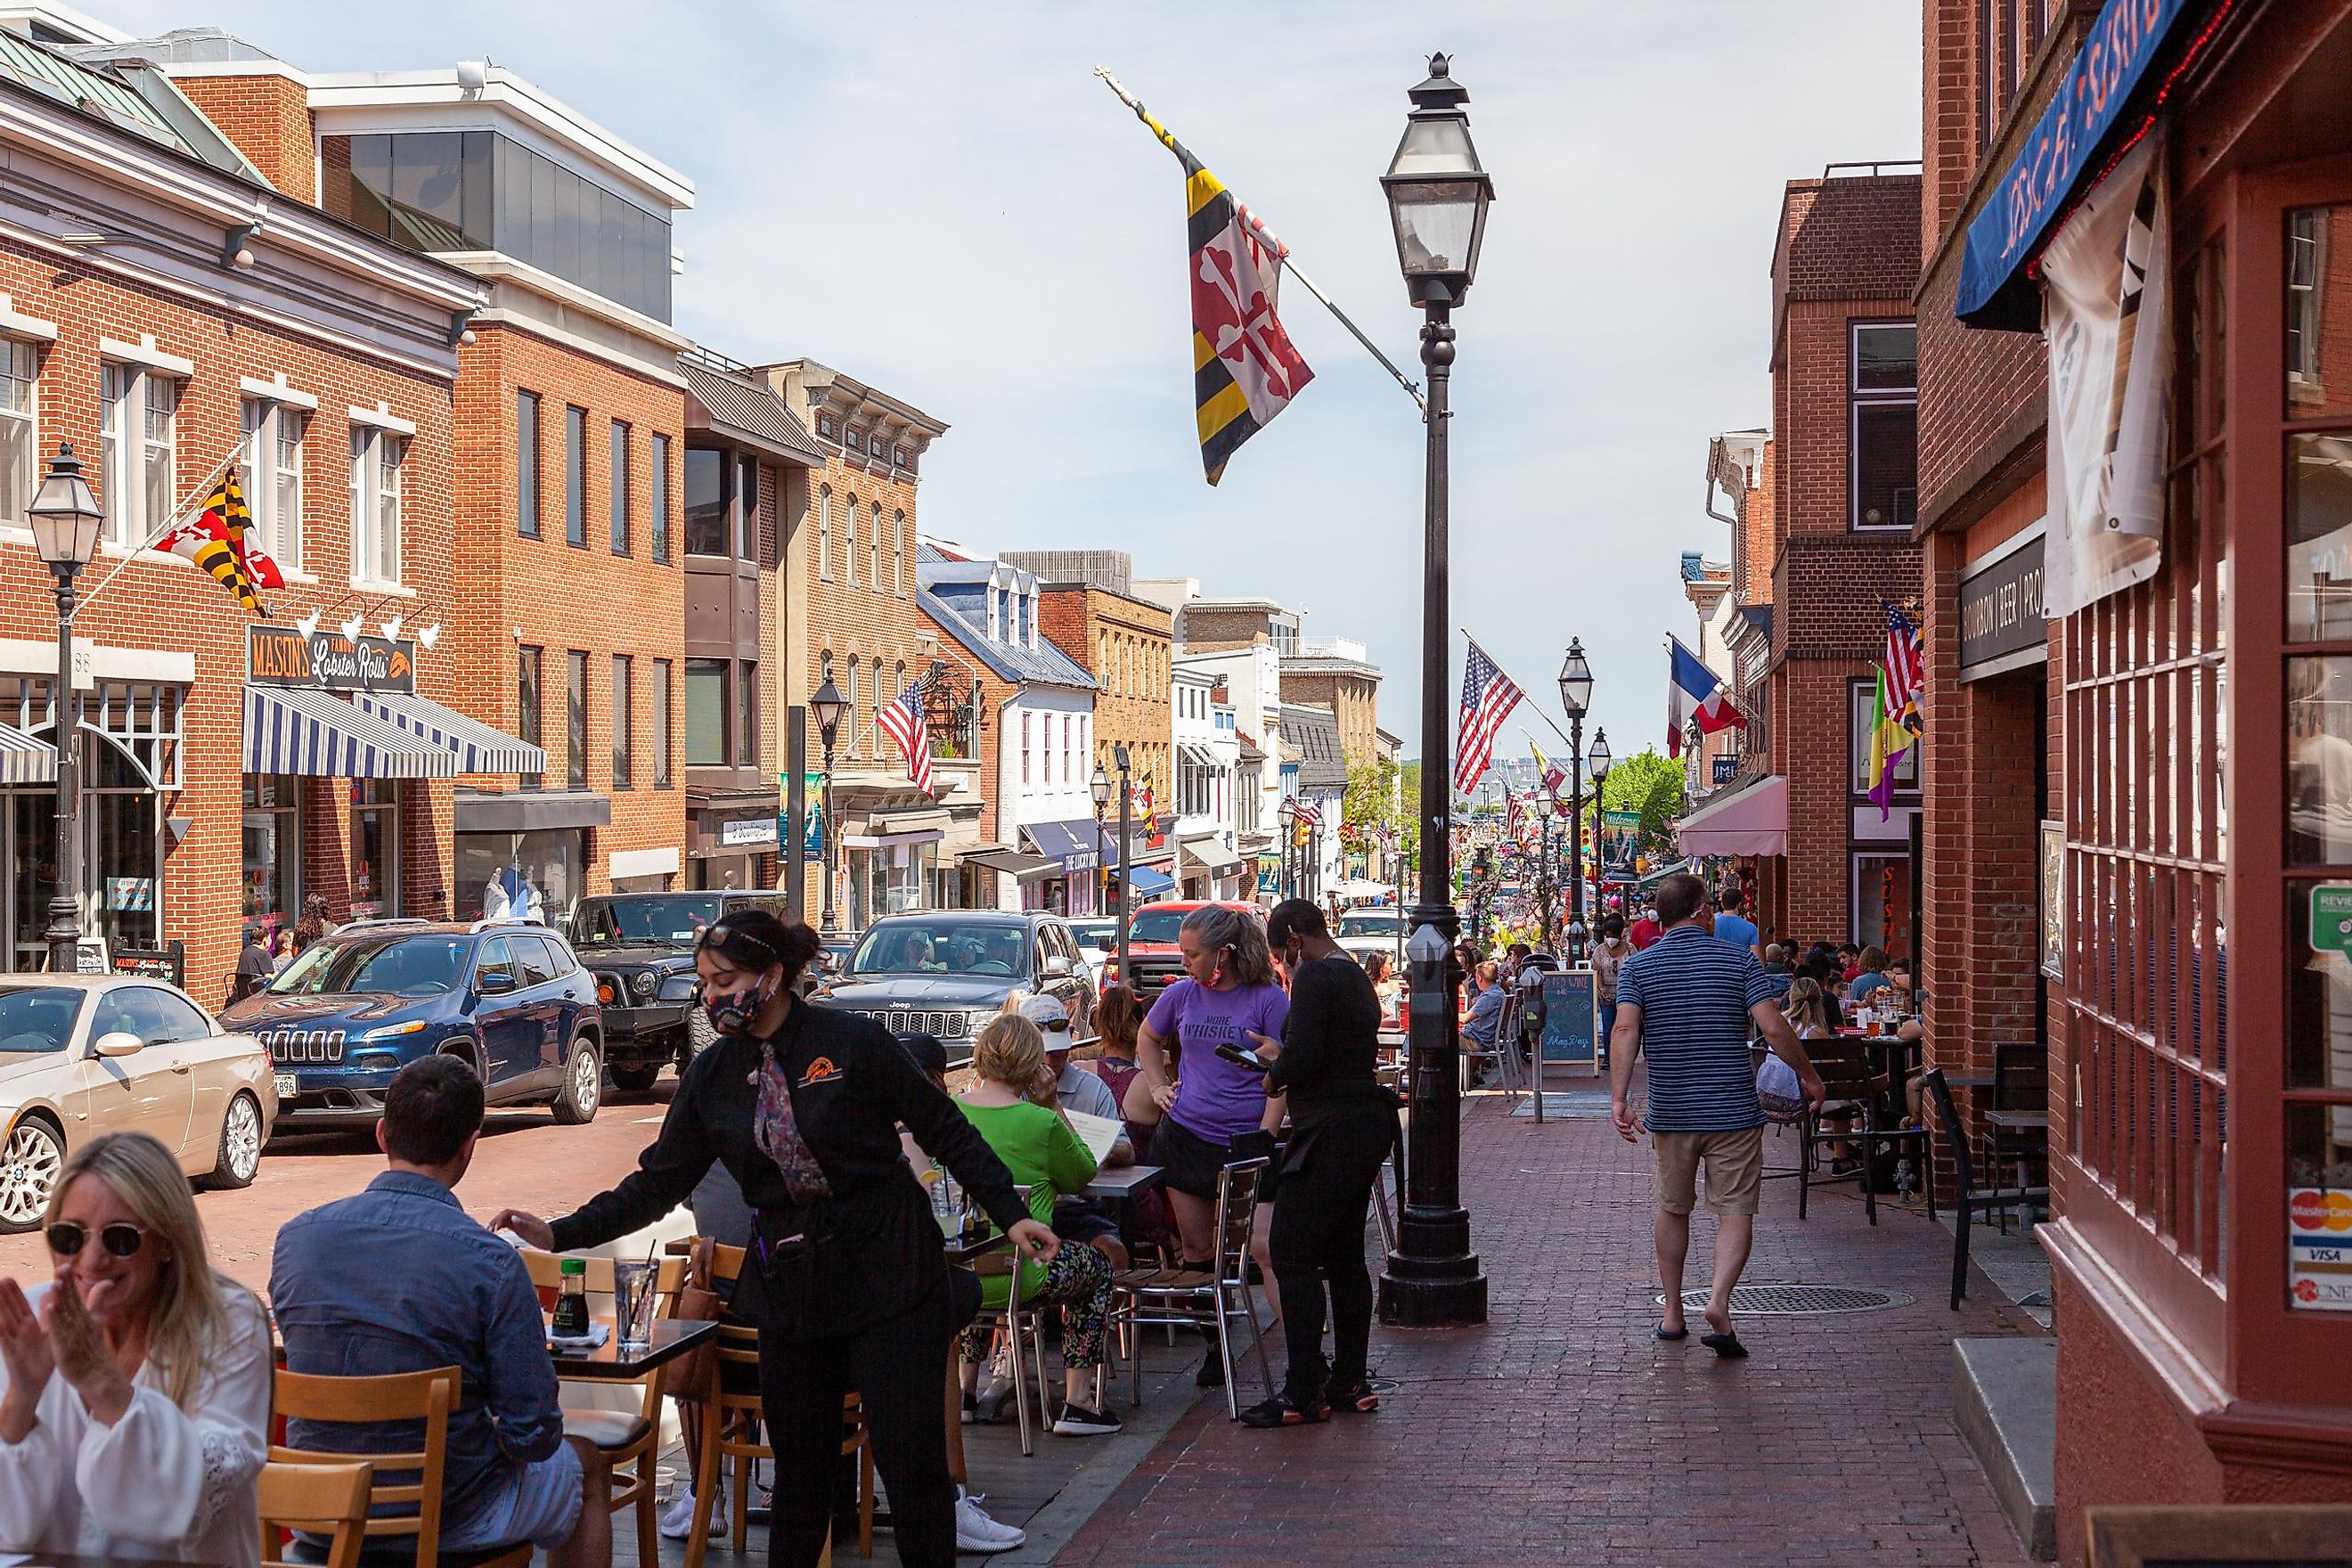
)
(1726, 1346)
(1663, 1332)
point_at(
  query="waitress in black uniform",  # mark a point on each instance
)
(846, 1280)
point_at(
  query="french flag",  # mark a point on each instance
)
(1695, 692)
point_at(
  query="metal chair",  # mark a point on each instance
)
(1853, 1088)
(1213, 1299)
(2017, 1126)
(1022, 1324)
(1968, 1198)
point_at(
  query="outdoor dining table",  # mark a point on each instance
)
(671, 1338)
(1123, 1181)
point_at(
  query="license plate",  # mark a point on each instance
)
(287, 1084)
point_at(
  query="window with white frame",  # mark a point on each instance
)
(824, 531)
(138, 421)
(270, 470)
(873, 547)
(899, 553)
(377, 456)
(20, 442)
(1883, 433)
(1025, 748)
(849, 545)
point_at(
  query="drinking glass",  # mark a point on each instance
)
(633, 1304)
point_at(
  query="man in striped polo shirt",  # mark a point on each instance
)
(1689, 1002)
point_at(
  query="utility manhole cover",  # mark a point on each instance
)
(1798, 1301)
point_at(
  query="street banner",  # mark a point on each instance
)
(2108, 324)
(1620, 831)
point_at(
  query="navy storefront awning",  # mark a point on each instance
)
(479, 747)
(1071, 843)
(2068, 148)
(302, 729)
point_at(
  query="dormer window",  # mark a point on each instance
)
(826, 426)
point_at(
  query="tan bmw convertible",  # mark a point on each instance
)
(85, 1054)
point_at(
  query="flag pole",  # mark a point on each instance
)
(203, 487)
(1282, 255)
(1539, 712)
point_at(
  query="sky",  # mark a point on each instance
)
(942, 201)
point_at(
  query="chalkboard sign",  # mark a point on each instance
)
(169, 961)
(1570, 1019)
(89, 956)
(2228, 1536)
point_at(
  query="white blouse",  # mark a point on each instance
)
(161, 1482)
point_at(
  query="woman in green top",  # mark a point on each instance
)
(1044, 1155)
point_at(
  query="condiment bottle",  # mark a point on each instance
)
(571, 1299)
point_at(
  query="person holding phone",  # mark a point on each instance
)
(1342, 1125)
(1216, 1110)
(846, 1280)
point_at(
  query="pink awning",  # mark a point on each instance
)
(1751, 817)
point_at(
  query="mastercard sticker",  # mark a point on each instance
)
(2319, 1248)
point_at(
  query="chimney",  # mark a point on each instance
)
(266, 116)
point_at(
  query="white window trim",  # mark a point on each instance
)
(366, 514)
(146, 356)
(825, 533)
(31, 329)
(382, 417)
(261, 497)
(277, 390)
(131, 448)
(22, 527)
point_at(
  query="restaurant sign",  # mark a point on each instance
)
(2001, 623)
(283, 656)
(2116, 54)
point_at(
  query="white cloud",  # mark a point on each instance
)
(944, 202)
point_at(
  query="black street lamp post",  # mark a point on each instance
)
(1126, 858)
(1575, 698)
(1287, 812)
(1098, 789)
(828, 705)
(1596, 764)
(66, 519)
(1437, 196)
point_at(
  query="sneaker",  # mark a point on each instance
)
(1280, 1412)
(989, 1406)
(978, 1533)
(677, 1521)
(1078, 1421)
(971, 1407)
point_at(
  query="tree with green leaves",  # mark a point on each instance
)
(1651, 784)
(1380, 794)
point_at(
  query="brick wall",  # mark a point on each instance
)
(267, 118)
(1759, 530)
(1354, 704)
(165, 605)
(1125, 644)
(546, 593)
(853, 621)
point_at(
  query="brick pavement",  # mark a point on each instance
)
(1562, 1432)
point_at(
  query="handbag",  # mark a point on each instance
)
(1776, 1085)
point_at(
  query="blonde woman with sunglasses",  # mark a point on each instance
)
(133, 1419)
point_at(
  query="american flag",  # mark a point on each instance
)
(1308, 816)
(902, 721)
(1487, 698)
(1511, 822)
(1906, 670)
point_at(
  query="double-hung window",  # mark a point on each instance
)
(138, 440)
(661, 501)
(271, 472)
(1883, 429)
(624, 747)
(661, 723)
(20, 442)
(527, 464)
(377, 454)
(575, 719)
(620, 486)
(575, 476)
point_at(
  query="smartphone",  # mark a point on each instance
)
(1243, 1054)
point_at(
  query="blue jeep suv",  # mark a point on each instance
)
(359, 1006)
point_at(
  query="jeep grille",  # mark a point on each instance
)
(293, 1045)
(948, 1026)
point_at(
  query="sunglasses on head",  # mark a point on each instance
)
(119, 1239)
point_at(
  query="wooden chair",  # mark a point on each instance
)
(1024, 1325)
(2017, 1126)
(325, 1500)
(425, 1396)
(1213, 1299)
(1970, 1199)
(628, 1442)
(1853, 1090)
(730, 1423)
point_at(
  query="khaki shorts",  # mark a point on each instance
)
(1735, 1170)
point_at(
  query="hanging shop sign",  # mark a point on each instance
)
(2001, 623)
(283, 656)
(2065, 146)
(748, 830)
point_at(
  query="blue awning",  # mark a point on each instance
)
(1071, 843)
(2066, 148)
(1149, 884)
(479, 747)
(303, 729)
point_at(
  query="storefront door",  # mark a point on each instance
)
(28, 850)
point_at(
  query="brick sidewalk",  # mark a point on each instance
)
(1562, 1432)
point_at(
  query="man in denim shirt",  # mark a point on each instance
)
(399, 1278)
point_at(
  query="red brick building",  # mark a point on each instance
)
(1843, 494)
(169, 313)
(2136, 784)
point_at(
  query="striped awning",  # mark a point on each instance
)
(302, 729)
(24, 759)
(479, 747)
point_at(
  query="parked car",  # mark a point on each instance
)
(943, 972)
(640, 948)
(1375, 928)
(86, 1054)
(1098, 940)
(1151, 950)
(508, 996)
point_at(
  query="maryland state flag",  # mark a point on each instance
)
(1244, 369)
(215, 540)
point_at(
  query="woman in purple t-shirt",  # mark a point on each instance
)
(1229, 994)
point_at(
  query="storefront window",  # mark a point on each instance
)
(1882, 902)
(273, 852)
(538, 875)
(375, 849)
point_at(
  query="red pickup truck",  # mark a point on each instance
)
(1152, 954)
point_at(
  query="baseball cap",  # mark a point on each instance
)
(928, 1054)
(1053, 1020)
